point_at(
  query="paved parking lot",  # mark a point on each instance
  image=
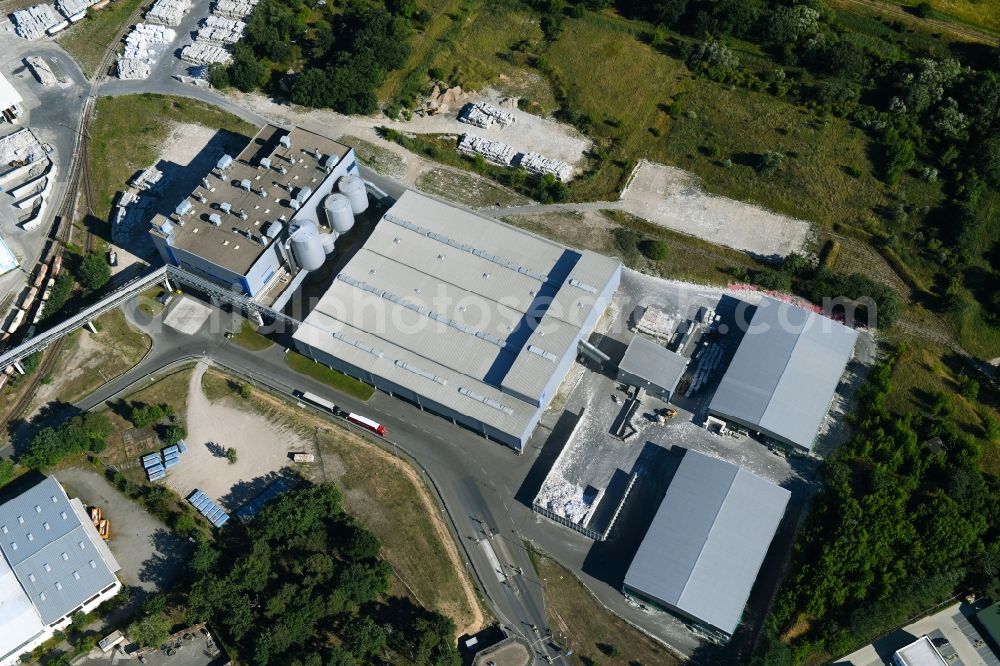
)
(150, 555)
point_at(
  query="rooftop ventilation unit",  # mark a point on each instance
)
(183, 207)
(246, 184)
(215, 219)
(224, 163)
(286, 141)
(282, 170)
(591, 289)
(303, 194)
(294, 204)
(547, 355)
(265, 163)
(318, 154)
(329, 162)
(291, 160)
(242, 214)
(226, 207)
(205, 183)
(202, 198)
(421, 372)
(262, 193)
(495, 404)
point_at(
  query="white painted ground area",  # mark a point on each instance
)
(262, 447)
(672, 198)
(187, 315)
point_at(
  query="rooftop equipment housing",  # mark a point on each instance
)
(224, 163)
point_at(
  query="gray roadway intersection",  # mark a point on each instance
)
(477, 480)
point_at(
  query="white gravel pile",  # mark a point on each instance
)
(20, 146)
(497, 152)
(541, 165)
(168, 12)
(31, 23)
(201, 53)
(41, 70)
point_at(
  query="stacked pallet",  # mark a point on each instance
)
(72, 8)
(234, 9)
(484, 115)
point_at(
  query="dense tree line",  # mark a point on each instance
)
(898, 527)
(873, 303)
(928, 109)
(341, 58)
(305, 585)
(87, 432)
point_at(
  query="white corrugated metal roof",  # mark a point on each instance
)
(704, 548)
(785, 372)
(449, 292)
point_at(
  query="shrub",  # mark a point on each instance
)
(656, 250)
(769, 162)
(172, 434)
(245, 391)
(231, 455)
(94, 271)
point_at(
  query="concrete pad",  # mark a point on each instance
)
(187, 315)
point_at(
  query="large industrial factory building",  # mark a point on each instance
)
(465, 316)
(269, 211)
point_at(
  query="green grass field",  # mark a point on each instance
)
(320, 372)
(128, 131)
(984, 14)
(248, 338)
(87, 40)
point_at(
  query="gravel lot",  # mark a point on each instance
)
(262, 448)
(672, 197)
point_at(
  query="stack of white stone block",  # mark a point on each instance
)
(201, 53)
(497, 152)
(234, 9)
(31, 23)
(168, 12)
(483, 115)
(133, 68)
(221, 30)
(72, 8)
(541, 165)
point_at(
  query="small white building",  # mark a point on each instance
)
(10, 101)
(53, 564)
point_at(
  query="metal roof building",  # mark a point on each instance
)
(54, 564)
(920, 652)
(704, 548)
(466, 316)
(783, 377)
(652, 366)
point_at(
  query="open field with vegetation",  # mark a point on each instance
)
(978, 13)
(87, 40)
(579, 623)
(320, 372)
(248, 338)
(128, 131)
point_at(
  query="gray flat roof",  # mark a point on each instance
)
(441, 299)
(705, 546)
(653, 362)
(52, 551)
(784, 374)
(222, 245)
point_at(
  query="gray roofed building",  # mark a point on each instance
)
(784, 375)
(651, 366)
(470, 318)
(56, 556)
(704, 548)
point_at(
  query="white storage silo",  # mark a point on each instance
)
(354, 188)
(339, 213)
(307, 248)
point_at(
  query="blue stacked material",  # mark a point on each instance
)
(182, 447)
(253, 507)
(170, 462)
(156, 476)
(150, 460)
(154, 468)
(212, 511)
(170, 450)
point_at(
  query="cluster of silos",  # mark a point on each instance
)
(309, 246)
